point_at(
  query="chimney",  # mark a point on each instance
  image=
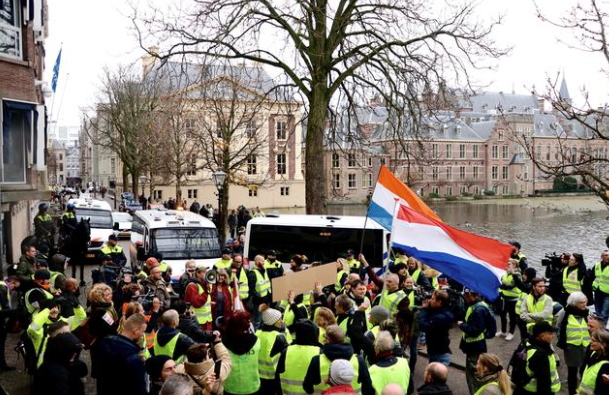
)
(541, 104)
(149, 59)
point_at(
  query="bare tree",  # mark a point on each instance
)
(331, 52)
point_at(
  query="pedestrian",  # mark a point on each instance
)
(391, 294)
(168, 339)
(102, 322)
(260, 289)
(121, 368)
(156, 285)
(434, 380)
(159, 369)
(536, 306)
(541, 362)
(5, 313)
(244, 348)
(225, 261)
(188, 276)
(517, 255)
(595, 378)
(295, 359)
(388, 369)
(62, 371)
(509, 294)
(435, 320)
(353, 322)
(492, 378)
(273, 341)
(355, 266)
(27, 264)
(574, 277)
(600, 285)
(240, 273)
(195, 207)
(221, 298)
(232, 220)
(573, 336)
(473, 340)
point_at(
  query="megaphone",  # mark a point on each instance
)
(211, 277)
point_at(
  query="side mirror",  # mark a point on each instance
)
(141, 254)
(115, 227)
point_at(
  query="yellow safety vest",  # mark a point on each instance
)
(531, 386)
(53, 279)
(338, 286)
(481, 389)
(324, 370)
(509, 293)
(588, 383)
(289, 316)
(242, 285)
(203, 313)
(267, 365)
(391, 300)
(521, 298)
(354, 264)
(537, 308)
(168, 349)
(398, 373)
(601, 278)
(470, 310)
(33, 308)
(244, 378)
(297, 361)
(415, 275)
(223, 264)
(107, 250)
(263, 285)
(570, 282)
(8, 292)
(577, 331)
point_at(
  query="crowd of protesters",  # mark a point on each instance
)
(217, 330)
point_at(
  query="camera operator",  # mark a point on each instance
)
(554, 271)
(435, 319)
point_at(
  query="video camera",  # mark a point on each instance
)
(551, 259)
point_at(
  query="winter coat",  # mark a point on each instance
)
(339, 390)
(226, 299)
(58, 374)
(434, 389)
(436, 324)
(198, 372)
(121, 369)
(491, 389)
(473, 327)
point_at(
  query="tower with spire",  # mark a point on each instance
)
(563, 94)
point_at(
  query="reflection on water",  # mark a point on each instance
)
(539, 231)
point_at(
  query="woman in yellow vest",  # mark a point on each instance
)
(323, 318)
(492, 378)
(510, 294)
(244, 348)
(573, 336)
(595, 379)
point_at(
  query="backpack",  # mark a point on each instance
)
(518, 367)
(490, 323)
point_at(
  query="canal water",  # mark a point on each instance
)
(540, 226)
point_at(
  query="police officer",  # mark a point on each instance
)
(68, 221)
(5, 313)
(273, 267)
(354, 265)
(341, 276)
(44, 227)
(541, 366)
(115, 251)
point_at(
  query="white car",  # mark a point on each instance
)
(123, 220)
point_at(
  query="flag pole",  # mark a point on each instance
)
(61, 102)
(386, 263)
(361, 245)
(54, 95)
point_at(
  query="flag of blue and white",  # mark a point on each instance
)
(56, 71)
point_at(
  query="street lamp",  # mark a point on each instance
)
(113, 186)
(143, 179)
(219, 178)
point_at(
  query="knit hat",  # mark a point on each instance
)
(379, 314)
(341, 372)
(154, 366)
(542, 327)
(271, 316)
(42, 274)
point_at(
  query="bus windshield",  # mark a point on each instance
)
(323, 244)
(98, 218)
(186, 243)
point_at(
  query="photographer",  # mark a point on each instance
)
(554, 271)
(435, 319)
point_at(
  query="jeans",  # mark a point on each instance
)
(441, 358)
(601, 305)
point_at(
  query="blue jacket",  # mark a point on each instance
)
(436, 324)
(473, 327)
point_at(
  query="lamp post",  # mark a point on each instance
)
(219, 178)
(143, 179)
(113, 186)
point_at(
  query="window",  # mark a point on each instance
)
(382, 161)
(505, 152)
(462, 172)
(192, 193)
(435, 190)
(16, 137)
(462, 189)
(526, 172)
(449, 173)
(157, 195)
(281, 127)
(192, 165)
(476, 190)
(352, 181)
(10, 28)
(495, 152)
(506, 189)
(476, 172)
(475, 152)
(60, 156)
(335, 161)
(336, 181)
(500, 135)
(285, 191)
(281, 164)
(434, 173)
(449, 151)
(462, 151)
(112, 165)
(538, 152)
(351, 160)
(505, 172)
(370, 180)
(434, 150)
(253, 191)
(449, 191)
(370, 162)
(548, 153)
(61, 167)
(250, 129)
(251, 164)
(495, 172)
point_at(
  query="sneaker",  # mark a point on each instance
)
(500, 334)
(509, 337)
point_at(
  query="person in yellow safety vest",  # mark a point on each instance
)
(401, 257)
(414, 271)
(273, 341)
(595, 379)
(44, 226)
(378, 314)
(355, 266)
(357, 292)
(37, 331)
(411, 293)
(600, 285)
(54, 329)
(473, 340)
(520, 258)
(40, 293)
(353, 322)
(57, 279)
(537, 306)
(226, 261)
(573, 335)
(573, 276)
(541, 365)
(273, 267)
(340, 378)
(509, 294)
(335, 349)
(115, 251)
(244, 350)
(323, 317)
(295, 310)
(295, 360)
(391, 294)
(432, 276)
(168, 339)
(237, 270)
(342, 275)
(198, 295)
(5, 311)
(68, 221)
(492, 377)
(388, 369)
(260, 288)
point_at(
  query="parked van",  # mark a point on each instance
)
(178, 236)
(99, 214)
(319, 237)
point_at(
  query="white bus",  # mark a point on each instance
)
(320, 238)
(99, 214)
(177, 236)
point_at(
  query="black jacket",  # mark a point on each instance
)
(473, 327)
(58, 375)
(164, 336)
(356, 331)
(256, 299)
(434, 389)
(191, 328)
(540, 365)
(121, 369)
(436, 324)
(332, 352)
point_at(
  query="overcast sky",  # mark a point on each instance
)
(98, 33)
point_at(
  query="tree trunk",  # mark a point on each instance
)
(315, 174)
(135, 184)
(125, 179)
(222, 214)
